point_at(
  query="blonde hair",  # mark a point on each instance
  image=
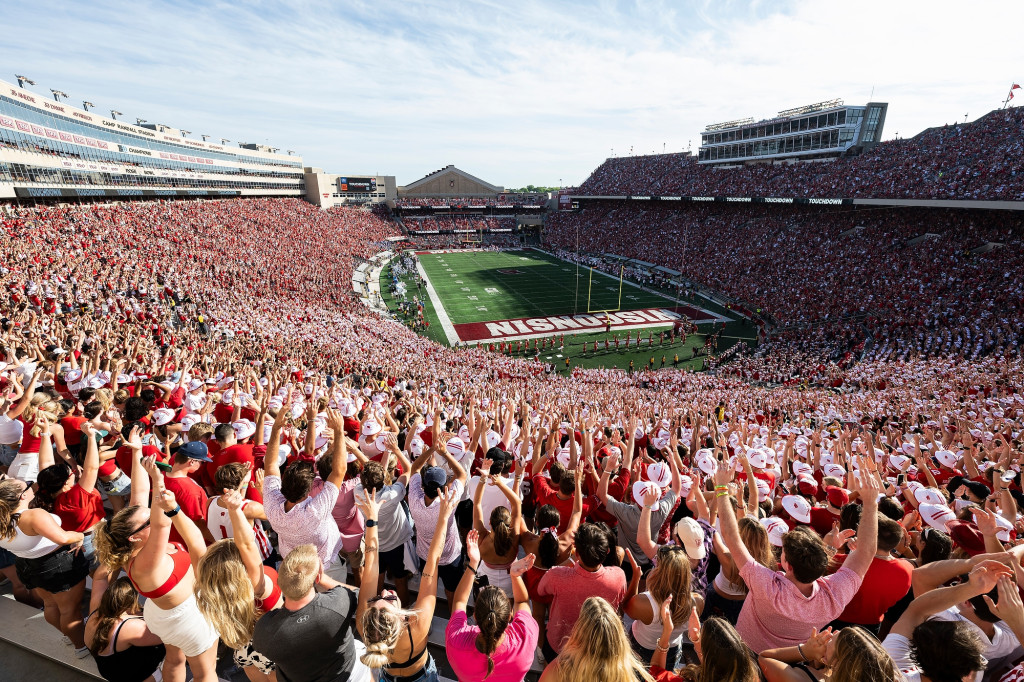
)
(755, 539)
(298, 572)
(381, 630)
(105, 397)
(112, 538)
(860, 656)
(225, 594)
(11, 491)
(598, 648)
(672, 576)
(40, 403)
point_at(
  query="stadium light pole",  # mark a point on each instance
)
(114, 114)
(186, 132)
(204, 137)
(224, 140)
(22, 80)
(57, 94)
(290, 152)
(86, 105)
(140, 121)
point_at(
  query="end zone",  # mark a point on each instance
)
(535, 327)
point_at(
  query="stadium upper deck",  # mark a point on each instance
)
(51, 149)
(978, 161)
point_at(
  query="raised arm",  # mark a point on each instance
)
(727, 519)
(370, 508)
(462, 593)
(428, 578)
(860, 559)
(245, 539)
(271, 461)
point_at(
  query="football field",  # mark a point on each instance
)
(485, 297)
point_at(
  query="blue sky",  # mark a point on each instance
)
(515, 93)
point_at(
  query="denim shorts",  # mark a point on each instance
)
(120, 486)
(8, 453)
(427, 674)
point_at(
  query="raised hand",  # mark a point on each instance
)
(521, 566)
(368, 504)
(231, 500)
(473, 548)
(666, 613)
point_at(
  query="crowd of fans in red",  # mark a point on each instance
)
(191, 396)
(979, 160)
(904, 280)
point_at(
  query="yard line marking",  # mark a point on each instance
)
(442, 315)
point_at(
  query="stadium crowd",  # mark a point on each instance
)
(977, 160)
(197, 413)
(893, 283)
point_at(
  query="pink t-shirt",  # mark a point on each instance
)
(570, 586)
(347, 515)
(776, 614)
(512, 659)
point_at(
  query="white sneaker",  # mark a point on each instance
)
(83, 652)
(66, 640)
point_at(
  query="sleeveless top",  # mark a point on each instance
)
(26, 546)
(182, 562)
(134, 664)
(731, 589)
(219, 523)
(647, 635)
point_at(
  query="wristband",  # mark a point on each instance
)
(800, 648)
(370, 523)
(173, 512)
(660, 647)
(721, 487)
(470, 567)
(722, 493)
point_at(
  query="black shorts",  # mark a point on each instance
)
(392, 562)
(464, 515)
(56, 572)
(450, 574)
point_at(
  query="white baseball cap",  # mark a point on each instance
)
(797, 507)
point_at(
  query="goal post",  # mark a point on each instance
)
(590, 284)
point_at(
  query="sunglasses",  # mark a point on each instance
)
(140, 528)
(381, 597)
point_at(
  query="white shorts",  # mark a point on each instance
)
(183, 626)
(25, 467)
(498, 577)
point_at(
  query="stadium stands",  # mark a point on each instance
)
(982, 160)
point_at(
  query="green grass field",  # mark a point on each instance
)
(487, 287)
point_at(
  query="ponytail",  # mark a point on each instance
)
(493, 614)
(113, 546)
(501, 531)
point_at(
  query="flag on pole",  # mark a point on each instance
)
(1015, 87)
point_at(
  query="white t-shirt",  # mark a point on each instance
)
(898, 647)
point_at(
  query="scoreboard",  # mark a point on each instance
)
(357, 184)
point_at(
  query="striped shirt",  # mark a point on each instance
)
(425, 518)
(307, 523)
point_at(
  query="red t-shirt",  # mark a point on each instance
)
(192, 499)
(822, 520)
(544, 494)
(234, 453)
(886, 582)
(79, 510)
(72, 432)
(123, 457)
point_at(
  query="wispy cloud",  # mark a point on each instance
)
(514, 93)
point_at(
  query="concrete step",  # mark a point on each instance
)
(25, 628)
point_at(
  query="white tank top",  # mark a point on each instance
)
(729, 588)
(30, 546)
(647, 634)
(219, 523)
